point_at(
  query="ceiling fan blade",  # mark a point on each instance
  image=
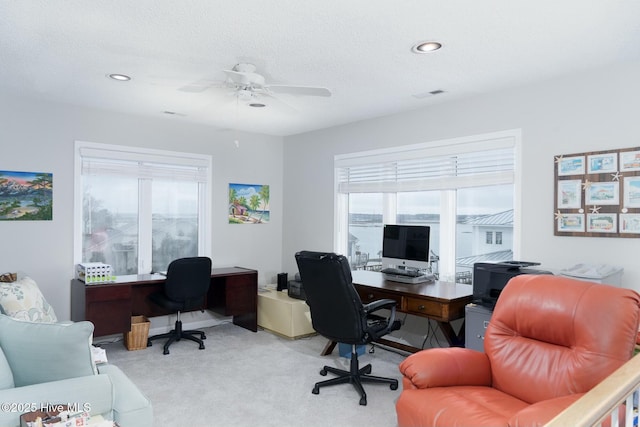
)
(279, 103)
(300, 90)
(199, 86)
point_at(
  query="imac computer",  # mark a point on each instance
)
(405, 253)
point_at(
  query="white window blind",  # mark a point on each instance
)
(422, 169)
(120, 162)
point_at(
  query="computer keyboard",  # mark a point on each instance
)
(402, 272)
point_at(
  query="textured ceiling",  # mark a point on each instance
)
(360, 50)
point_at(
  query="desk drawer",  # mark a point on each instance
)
(369, 295)
(423, 307)
(97, 293)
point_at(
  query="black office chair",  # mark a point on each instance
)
(338, 314)
(185, 289)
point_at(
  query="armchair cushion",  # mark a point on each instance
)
(457, 406)
(30, 347)
(23, 300)
(541, 413)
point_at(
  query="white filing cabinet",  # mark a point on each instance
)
(285, 316)
(476, 321)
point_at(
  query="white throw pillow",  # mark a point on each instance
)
(23, 300)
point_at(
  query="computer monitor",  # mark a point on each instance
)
(406, 246)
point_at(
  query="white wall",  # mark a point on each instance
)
(39, 136)
(597, 110)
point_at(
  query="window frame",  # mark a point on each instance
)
(475, 143)
(128, 153)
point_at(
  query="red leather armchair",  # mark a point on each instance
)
(550, 340)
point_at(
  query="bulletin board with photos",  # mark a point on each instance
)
(597, 194)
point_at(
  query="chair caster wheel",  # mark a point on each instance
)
(394, 386)
(166, 351)
(363, 401)
(368, 370)
(316, 390)
(201, 347)
(203, 336)
(149, 343)
(323, 372)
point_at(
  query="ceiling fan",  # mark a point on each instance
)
(248, 85)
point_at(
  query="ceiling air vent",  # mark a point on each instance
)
(428, 94)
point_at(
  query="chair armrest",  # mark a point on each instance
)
(441, 367)
(130, 406)
(92, 392)
(379, 304)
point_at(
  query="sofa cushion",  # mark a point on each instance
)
(42, 352)
(23, 300)
(6, 377)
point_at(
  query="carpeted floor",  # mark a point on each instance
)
(255, 379)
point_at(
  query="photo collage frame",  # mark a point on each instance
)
(597, 194)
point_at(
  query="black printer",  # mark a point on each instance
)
(490, 278)
(295, 288)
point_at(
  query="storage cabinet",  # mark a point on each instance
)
(477, 319)
(285, 316)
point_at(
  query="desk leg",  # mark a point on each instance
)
(454, 340)
(328, 349)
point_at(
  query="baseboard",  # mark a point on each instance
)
(163, 324)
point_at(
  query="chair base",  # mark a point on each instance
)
(176, 335)
(355, 376)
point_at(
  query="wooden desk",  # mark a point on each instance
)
(233, 292)
(440, 301)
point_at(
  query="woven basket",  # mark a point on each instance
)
(136, 339)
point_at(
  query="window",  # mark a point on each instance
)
(140, 209)
(464, 189)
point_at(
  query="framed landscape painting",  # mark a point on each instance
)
(26, 196)
(248, 204)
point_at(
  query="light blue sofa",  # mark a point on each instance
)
(44, 363)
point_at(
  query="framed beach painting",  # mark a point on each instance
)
(248, 204)
(26, 196)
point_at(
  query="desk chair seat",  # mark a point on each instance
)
(337, 313)
(186, 287)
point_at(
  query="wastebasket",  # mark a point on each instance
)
(599, 273)
(136, 338)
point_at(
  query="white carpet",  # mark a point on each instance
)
(255, 379)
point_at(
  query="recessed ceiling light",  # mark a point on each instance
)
(424, 47)
(257, 105)
(119, 77)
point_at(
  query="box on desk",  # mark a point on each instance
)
(95, 272)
